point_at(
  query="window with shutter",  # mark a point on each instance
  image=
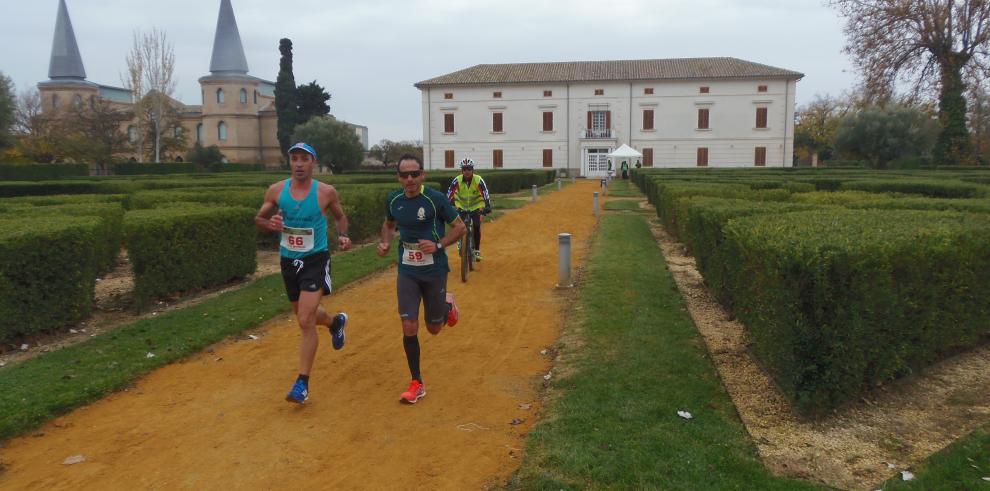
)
(760, 158)
(647, 119)
(647, 157)
(761, 88)
(702, 119)
(547, 157)
(497, 159)
(497, 122)
(547, 93)
(448, 159)
(648, 91)
(599, 91)
(761, 117)
(448, 95)
(702, 157)
(497, 95)
(547, 121)
(448, 123)
(703, 90)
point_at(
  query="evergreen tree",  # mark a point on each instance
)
(286, 104)
(312, 100)
(7, 110)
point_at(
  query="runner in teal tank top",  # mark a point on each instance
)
(305, 230)
(297, 209)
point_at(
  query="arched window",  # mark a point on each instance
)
(219, 96)
(243, 96)
(177, 132)
(199, 132)
(77, 101)
(132, 133)
(55, 101)
(256, 97)
(222, 131)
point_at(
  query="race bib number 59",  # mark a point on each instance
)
(297, 239)
(412, 256)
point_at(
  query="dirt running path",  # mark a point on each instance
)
(217, 420)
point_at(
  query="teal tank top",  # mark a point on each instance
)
(305, 229)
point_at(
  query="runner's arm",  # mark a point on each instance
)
(267, 220)
(385, 239)
(339, 218)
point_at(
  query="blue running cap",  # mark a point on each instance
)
(304, 147)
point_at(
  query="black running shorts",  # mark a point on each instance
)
(308, 274)
(432, 290)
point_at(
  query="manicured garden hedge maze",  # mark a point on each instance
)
(182, 233)
(844, 279)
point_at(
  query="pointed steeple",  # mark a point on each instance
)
(66, 62)
(228, 53)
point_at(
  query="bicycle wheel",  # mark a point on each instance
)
(470, 241)
(465, 267)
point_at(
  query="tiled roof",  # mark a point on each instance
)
(616, 70)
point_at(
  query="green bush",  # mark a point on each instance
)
(702, 231)
(30, 172)
(23, 188)
(109, 233)
(64, 199)
(837, 197)
(47, 272)
(931, 187)
(838, 301)
(944, 204)
(248, 197)
(136, 168)
(184, 249)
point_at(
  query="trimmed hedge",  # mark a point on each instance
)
(28, 172)
(47, 272)
(183, 249)
(837, 301)
(10, 189)
(932, 188)
(109, 234)
(248, 197)
(135, 168)
(965, 205)
(65, 199)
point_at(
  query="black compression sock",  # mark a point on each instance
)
(411, 345)
(303, 378)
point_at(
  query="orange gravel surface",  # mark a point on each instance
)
(218, 419)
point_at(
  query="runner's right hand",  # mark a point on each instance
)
(275, 223)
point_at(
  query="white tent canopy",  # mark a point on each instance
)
(625, 152)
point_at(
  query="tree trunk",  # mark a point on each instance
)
(953, 145)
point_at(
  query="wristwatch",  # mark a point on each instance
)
(439, 246)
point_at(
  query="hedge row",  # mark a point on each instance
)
(137, 168)
(27, 172)
(109, 233)
(179, 249)
(932, 188)
(47, 272)
(837, 301)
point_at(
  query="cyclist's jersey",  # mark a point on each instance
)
(471, 195)
(420, 217)
(305, 229)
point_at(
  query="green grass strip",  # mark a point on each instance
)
(637, 361)
(622, 204)
(52, 384)
(963, 465)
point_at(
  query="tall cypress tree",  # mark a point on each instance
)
(286, 105)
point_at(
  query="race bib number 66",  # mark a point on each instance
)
(297, 239)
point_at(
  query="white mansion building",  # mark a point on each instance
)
(718, 112)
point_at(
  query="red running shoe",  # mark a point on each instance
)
(415, 392)
(454, 313)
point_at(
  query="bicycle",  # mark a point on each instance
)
(466, 244)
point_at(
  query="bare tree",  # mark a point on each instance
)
(151, 80)
(28, 110)
(934, 45)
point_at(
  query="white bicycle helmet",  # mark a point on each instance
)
(467, 163)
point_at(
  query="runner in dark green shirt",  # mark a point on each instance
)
(420, 214)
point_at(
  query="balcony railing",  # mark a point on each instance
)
(596, 134)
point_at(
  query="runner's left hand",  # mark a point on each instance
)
(345, 243)
(427, 246)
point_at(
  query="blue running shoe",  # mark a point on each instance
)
(337, 330)
(299, 393)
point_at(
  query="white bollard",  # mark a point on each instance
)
(564, 261)
(573, 180)
(596, 204)
(558, 184)
(534, 193)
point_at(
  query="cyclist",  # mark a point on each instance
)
(469, 194)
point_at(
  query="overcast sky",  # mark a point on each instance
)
(368, 54)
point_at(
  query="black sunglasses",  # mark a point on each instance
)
(467, 168)
(412, 173)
